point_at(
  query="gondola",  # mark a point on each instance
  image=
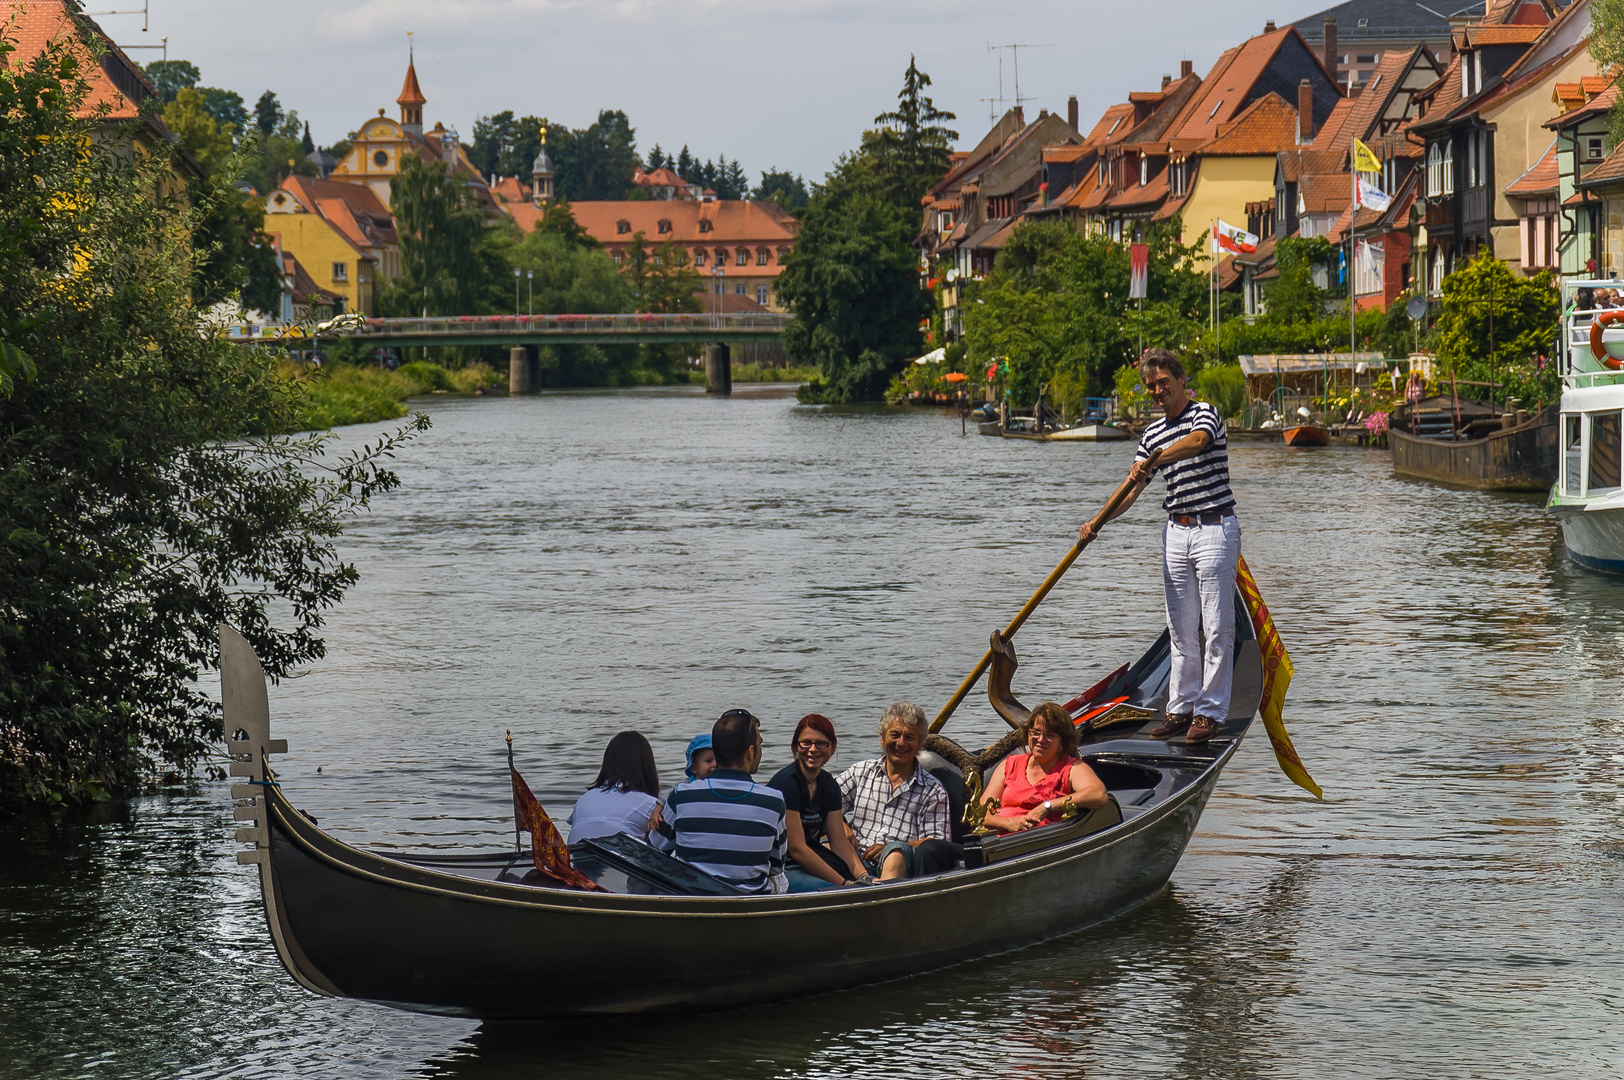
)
(467, 935)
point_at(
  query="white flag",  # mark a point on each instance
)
(1373, 197)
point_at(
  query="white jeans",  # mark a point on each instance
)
(1198, 576)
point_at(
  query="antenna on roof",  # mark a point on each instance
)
(141, 11)
(411, 52)
(1015, 65)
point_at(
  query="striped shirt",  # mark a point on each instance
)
(730, 827)
(1198, 483)
(916, 809)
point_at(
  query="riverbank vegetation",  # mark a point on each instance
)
(146, 491)
(336, 394)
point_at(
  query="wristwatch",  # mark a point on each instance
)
(1047, 806)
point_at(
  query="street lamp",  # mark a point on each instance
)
(530, 286)
(516, 292)
(718, 272)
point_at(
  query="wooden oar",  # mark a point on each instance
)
(969, 682)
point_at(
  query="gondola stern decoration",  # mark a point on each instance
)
(246, 711)
(1277, 673)
(547, 848)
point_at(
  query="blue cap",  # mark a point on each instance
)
(695, 745)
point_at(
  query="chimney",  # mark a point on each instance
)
(1353, 89)
(1020, 116)
(1166, 80)
(1043, 114)
(1305, 112)
(1186, 68)
(1268, 27)
(1329, 46)
(1071, 112)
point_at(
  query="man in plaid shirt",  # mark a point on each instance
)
(897, 812)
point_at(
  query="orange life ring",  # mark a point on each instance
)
(1596, 350)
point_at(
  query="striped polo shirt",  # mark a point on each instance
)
(729, 826)
(1194, 484)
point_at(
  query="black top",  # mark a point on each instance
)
(813, 806)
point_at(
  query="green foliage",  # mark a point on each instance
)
(1607, 48)
(172, 76)
(764, 373)
(786, 189)
(1294, 298)
(1504, 346)
(507, 146)
(449, 258)
(144, 494)
(1056, 307)
(910, 149)
(226, 106)
(596, 162)
(852, 281)
(1223, 386)
(267, 113)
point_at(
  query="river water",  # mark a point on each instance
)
(573, 564)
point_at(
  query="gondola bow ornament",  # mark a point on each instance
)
(1277, 672)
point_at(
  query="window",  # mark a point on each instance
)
(622, 227)
(1369, 265)
(699, 257)
(1571, 451)
(380, 159)
(762, 256)
(617, 258)
(738, 290)
(1594, 147)
(663, 227)
(704, 226)
(1144, 170)
(1365, 58)
(761, 295)
(744, 257)
(1604, 450)
(341, 272)
(1447, 173)
(721, 256)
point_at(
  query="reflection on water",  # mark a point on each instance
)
(578, 563)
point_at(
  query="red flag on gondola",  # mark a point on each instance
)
(547, 849)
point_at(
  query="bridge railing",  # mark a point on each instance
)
(450, 326)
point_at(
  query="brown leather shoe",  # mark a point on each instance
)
(1171, 726)
(1201, 730)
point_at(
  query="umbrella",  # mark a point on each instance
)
(935, 356)
(955, 376)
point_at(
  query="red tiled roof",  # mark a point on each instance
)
(1478, 36)
(353, 209)
(733, 222)
(1134, 196)
(410, 92)
(1228, 85)
(1321, 193)
(510, 189)
(1267, 126)
(1064, 152)
(1611, 168)
(1111, 123)
(1543, 178)
(1596, 106)
(33, 25)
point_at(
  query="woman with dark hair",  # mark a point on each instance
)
(624, 797)
(1037, 787)
(821, 854)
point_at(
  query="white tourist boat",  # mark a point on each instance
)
(1588, 498)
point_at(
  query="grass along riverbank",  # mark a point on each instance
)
(760, 373)
(337, 394)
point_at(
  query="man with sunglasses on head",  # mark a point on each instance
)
(726, 824)
(1201, 544)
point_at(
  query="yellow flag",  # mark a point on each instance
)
(1277, 672)
(1363, 159)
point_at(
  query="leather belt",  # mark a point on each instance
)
(1207, 517)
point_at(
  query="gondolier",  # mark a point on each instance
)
(1201, 544)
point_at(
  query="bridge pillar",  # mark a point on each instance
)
(524, 370)
(718, 369)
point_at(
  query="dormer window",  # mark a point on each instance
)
(622, 227)
(663, 227)
(704, 225)
(1144, 170)
(762, 255)
(744, 256)
(699, 257)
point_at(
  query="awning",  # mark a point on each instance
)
(1289, 363)
(935, 356)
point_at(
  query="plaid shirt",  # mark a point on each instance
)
(879, 814)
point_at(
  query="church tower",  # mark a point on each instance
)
(411, 101)
(541, 173)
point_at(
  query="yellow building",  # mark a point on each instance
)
(342, 234)
(1234, 169)
(381, 144)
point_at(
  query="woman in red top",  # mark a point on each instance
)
(1037, 787)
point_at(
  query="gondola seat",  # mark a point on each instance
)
(979, 851)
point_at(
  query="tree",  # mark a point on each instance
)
(448, 265)
(172, 76)
(267, 113)
(911, 148)
(786, 189)
(1607, 48)
(492, 140)
(852, 281)
(597, 162)
(307, 144)
(657, 159)
(520, 156)
(232, 255)
(738, 185)
(687, 167)
(1494, 325)
(226, 107)
(559, 220)
(1294, 298)
(144, 495)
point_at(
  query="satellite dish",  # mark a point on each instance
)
(953, 274)
(1416, 308)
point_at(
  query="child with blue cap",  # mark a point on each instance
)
(701, 758)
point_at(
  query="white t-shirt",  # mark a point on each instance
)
(605, 813)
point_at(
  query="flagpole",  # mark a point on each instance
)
(1353, 336)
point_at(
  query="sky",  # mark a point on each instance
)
(788, 84)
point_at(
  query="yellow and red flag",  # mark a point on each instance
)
(1277, 672)
(547, 849)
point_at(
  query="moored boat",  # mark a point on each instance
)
(1520, 456)
(1588, 497)
(1307, 435)
(468, 935)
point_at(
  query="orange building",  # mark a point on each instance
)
(738, 245)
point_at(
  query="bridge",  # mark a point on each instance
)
(523, 333)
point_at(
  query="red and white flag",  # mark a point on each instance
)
(1138, 271)
(1226, 237)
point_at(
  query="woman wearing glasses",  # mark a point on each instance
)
(1037, 787)
(821, 855)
